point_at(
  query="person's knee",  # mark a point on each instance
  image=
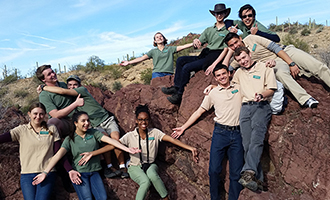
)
(146, 183)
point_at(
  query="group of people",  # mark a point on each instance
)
(78, 124)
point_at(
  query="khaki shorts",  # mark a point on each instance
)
(109, 125)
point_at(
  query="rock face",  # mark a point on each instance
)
(295, 159)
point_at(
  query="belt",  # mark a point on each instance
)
(228, 128)
(283, 47)
(255, 103)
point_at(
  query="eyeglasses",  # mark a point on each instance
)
(143, 120)
(245, 16)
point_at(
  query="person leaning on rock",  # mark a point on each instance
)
(162, 56)
(226, 139)
(214, 36)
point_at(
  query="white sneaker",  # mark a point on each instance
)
(311, 103)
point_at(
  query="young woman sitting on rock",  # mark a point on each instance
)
(162, 56)
(37, 144)
(83, 144)
(142, 168)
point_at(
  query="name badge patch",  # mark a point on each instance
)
(234, 91)
(254, 47)
(223, 35)
(151, 138)
(88, 137)
(44, 132)
(256, 77)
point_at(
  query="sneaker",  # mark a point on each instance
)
(311, 103)
(175, 98)
(249, 181)
(124, 173)
(111, 172)
(169, 90)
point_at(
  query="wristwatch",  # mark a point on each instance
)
(261, 96)
(292, 64)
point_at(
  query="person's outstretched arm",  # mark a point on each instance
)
(57, 157)
(88, 155)
(182, 47)
(179, 130)
(59, 90)
(136, 60)
(119, 145)
(183, 145)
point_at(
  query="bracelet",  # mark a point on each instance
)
(45, 173)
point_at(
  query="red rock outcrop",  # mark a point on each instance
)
(295, 159)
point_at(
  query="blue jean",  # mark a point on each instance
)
(254, 121)
(160, 74)
(91, 184)
(145, 179)
(226, 142)
(41, 191)
(185, 65)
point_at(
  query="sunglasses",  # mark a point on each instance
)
(245, 16)
(220, 13)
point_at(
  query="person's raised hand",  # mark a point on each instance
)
(254, 29)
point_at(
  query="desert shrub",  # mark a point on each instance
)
(20, 93)
(293, 30)
(99, 85)
(325, 56)
(10, 79)
(115, 70)
(298, 43)
(3, 91)
(116, 86)
(320, 29)
(146, 76)
(305, 32)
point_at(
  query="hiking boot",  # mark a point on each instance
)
(175, 98)
(111, 172)
(169, 90)
(249, 181)
(311, 103)
(124, 173)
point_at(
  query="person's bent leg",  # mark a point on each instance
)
(97, 186)
(246, 128)
(157, 182)
(28, 190)
(220, 142)
(84, 189)
(180, 62)
(309, 63)
(45, 188)
(282, 73)
(160, 74)
(63, 126)
(139, 177)
(235, 154)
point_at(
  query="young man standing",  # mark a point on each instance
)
(290, 62)
(214, 36)
(226, 140)
(100, 119)
(257, 83)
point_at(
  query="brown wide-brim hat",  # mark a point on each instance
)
(220, 8)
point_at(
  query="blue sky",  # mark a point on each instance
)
(69, 32)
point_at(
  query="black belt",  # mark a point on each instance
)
(228, 128)
(255, 103)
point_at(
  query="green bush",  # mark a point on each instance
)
(3, 91)
(10, 79)
(320, 29)
(116, 86)
(305, 32)
(294, 40)
(115, 70)
(20, 93)
(99, 85)
(146, 76)
(293, 30)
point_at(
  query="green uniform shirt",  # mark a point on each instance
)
(162, 60)
(81, 145)
(97, 114)
(214, 37)
(54, 101)
(246, 31)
